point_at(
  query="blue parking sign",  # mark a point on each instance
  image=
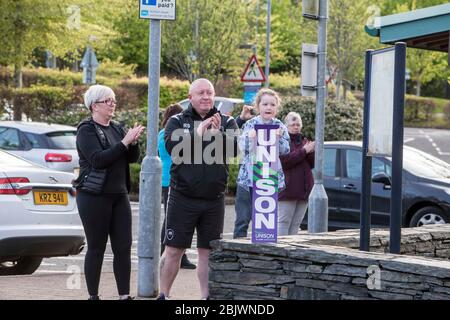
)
(149, 2)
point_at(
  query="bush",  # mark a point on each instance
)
(233, 170)
(285, 83)
(115, 69)
(343, 121)
(135, 170)
(418, 109)
(446, 111)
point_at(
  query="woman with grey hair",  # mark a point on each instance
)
(105, 151)
(297, 167)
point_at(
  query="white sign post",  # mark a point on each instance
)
(157, 9)
(381, 103)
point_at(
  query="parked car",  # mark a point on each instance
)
(426, 187)
(50, 145)
(224, 105)
(38, 215)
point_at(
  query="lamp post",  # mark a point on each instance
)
(318, 199)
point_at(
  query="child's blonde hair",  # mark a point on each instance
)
(262, 92)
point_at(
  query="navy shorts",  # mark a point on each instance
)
(185, 215)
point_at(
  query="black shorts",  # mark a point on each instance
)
(185, 214)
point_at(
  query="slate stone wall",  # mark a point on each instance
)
(329, 266)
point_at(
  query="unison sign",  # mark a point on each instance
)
(265, 184)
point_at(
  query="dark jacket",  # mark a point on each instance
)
(202, 180)
(297, 166)
(96, 152)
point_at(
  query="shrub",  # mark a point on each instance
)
(135, 170)
(285, 83)
(233, 170)
(115, 69)
(446, 111)
(343, 121)
(418, 109)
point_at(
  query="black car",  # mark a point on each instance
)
(426, 187)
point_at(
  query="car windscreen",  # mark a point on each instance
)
(62, 139)
(7, 159)
(424, 165)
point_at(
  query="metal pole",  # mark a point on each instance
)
(255, 47)
(150, 179)
(318, 200)
(397, 148)
(364, 234)
(268, 43)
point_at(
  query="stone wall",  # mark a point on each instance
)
(328, 266)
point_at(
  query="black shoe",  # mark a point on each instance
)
(93, 298)
(186, 264)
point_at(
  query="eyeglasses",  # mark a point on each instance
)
(108, 102)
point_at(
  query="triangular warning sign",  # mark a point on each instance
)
(253, 71)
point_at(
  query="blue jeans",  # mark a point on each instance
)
(243, 208)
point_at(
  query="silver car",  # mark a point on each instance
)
(38, 215)
(49, 145)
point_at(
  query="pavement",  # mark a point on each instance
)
(72, 286)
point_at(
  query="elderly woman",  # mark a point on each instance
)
(297, 168)
(105, 151)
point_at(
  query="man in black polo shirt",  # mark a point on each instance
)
(197, 186)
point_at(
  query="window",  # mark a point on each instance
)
(9, 138)
(34, 139)
(62, 140)
(329, 166)
(354, 165)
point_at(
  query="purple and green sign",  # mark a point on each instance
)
(265, 184)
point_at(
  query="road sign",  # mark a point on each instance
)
(250, 91)
(89, 65)
(157, 9)
(253, 71)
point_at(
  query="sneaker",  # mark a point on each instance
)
(94, 298)
(186, 264)
(127, 298)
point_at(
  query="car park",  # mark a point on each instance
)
(426, 187)
(38, 215)
(49, 145)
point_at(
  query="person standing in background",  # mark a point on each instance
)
(297, 168)
(166, 160)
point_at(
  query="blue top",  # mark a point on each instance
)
(165, 159)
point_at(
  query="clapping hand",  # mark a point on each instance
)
(309, 146)
(246, 113)
(212, 123)
(133, 134)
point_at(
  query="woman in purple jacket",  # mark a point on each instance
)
(297, 167)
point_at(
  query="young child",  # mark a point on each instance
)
(266, 103)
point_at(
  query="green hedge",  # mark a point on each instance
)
(343, 121)
(446, 111)
(418, 108)
(135, 170)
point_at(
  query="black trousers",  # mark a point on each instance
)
(103, 216)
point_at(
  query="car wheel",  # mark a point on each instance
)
(23, 265)
(429, 215)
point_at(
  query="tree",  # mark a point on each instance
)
(424, 65)
(57, 26)
(203, 41)
(347, 40)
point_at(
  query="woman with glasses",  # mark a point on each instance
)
(105, 151)
(297, 167)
